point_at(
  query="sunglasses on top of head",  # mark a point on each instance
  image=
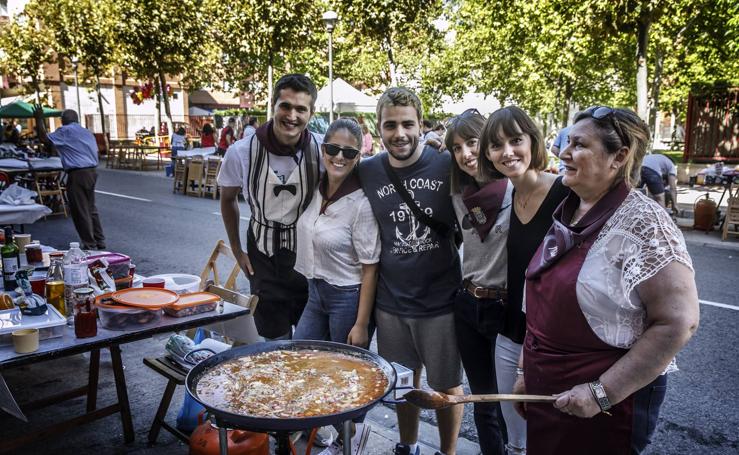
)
(467, 113)
(601, 112)
(348, 152)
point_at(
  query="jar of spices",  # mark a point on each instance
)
(85, 321)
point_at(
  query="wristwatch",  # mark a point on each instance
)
(599, 393)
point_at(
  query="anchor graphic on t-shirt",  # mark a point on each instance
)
(412, 239)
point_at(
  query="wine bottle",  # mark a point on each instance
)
(11, 260)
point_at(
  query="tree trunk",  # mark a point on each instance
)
(654, 116)
(158, 97)
(391, 62)
(165, 96)
(270, 72)
(642, 42)
(102, 114)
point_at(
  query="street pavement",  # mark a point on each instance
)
(171, 233)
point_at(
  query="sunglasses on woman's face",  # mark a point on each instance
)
(348, 152)
(601, 112)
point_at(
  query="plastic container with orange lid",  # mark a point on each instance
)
(114, 316)
(194, 303)
(151, 298)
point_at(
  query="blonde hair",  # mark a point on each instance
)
(635, 137)
(399, 96)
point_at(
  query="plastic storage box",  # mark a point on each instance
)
(189, 304)
(49, 325)
(120, 317)
(118, 264)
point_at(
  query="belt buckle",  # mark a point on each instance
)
(474, 293)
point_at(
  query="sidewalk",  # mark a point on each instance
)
(686, 199)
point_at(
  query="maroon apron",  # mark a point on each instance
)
(562, 351)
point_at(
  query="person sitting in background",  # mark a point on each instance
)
(610, 299)
(367, 145)
(178, 142)
(207, 136)
(656, 169)
(339, 251)
(483, 209)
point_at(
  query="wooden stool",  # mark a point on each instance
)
(176, 376)
(732, 218)
(210, 185)
(194, 181)
(180, 175)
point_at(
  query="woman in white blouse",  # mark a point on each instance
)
(610, 299)
(339, 246)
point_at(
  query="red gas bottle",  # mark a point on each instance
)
(204, 441)
(704, 214)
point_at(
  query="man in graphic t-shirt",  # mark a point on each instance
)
(419, 270)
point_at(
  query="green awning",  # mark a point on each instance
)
(21, 109)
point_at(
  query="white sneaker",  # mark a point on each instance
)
(359, 442)
(334, 449)
(325, 436)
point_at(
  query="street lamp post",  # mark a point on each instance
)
(75, 64)
(329, 19)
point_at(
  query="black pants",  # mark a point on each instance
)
(476, 322)
(282, 291)
(647, 403)
(81, 196)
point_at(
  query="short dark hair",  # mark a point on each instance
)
(297, 83)
(428, 123)
(252, 120)
(70, 116)
(207, 129)
(232, 120)
(510, 121)
(399, 96)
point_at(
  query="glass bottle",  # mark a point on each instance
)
(11, 260)
(55, 286)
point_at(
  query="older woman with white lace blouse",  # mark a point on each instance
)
(610, 299)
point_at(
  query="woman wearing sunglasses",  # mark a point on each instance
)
(610, 298)
(514, 148)
(483, 209)
(339, 251)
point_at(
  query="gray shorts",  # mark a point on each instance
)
(419, 342)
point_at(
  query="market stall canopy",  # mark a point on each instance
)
(196, 111)
(21, 109)
(346, 99)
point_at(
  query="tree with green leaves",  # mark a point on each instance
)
(85, 30)
(166, 37)
(25, 46)
(258, 37)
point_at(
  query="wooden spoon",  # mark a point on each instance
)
(435, 400)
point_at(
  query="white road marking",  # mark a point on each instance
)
(219, 214)
(123, 196)
(720, 305)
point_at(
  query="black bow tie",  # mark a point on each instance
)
(290, 188)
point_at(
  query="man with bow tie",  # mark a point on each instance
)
(278, 169)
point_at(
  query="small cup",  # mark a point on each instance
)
(153, 283)
(22, 240)
(34, 255)
(38, 284)
(25, 341)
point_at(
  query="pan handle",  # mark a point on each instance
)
(387, 400)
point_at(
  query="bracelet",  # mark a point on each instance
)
(519, 371)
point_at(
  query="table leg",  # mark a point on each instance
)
(92, 381)
(348, 437)
(223, 439)
(120, 388)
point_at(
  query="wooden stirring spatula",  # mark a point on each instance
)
(435, 400)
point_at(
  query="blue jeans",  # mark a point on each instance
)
(330, 313)
(647, 403)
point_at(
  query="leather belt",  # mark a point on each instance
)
(484, 293)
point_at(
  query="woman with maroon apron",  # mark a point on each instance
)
(610, 299)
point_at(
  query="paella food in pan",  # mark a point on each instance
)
(292, 384)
